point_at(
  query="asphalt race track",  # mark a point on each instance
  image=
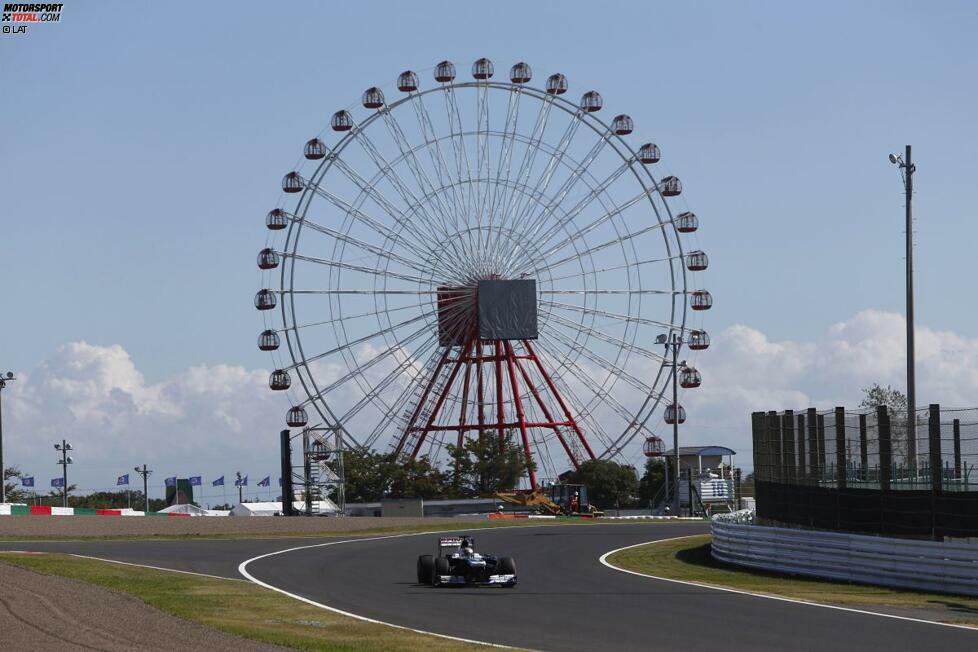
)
(566, 599)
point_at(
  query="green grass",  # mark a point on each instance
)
(439, 526)
(239, 608)
(689, 559)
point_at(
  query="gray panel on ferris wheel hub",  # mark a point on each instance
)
(508, 309)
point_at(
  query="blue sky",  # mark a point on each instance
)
(144, 142)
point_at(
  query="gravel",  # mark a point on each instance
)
(142, 526)
(42, 612)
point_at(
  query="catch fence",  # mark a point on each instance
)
(863, 471)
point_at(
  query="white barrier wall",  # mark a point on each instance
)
(904, 563)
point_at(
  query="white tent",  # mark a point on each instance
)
(275, 509)
(185, 508)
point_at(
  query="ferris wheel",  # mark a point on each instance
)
(481, 258)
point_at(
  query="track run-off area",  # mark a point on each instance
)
(567, 599)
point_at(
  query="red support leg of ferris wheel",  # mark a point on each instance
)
(520, 415)
(501, 360)
(560, 400)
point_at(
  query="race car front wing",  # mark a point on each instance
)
(448, 580)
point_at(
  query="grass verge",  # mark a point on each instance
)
(689, 559)
(239, 608)
(436, 526)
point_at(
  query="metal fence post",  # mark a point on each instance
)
(957, 449)
(936, 464)
(774, 446)
(934, 432)
(886, 450)
(812, 444)
(755, 428)
(840, 447)
(820, 430)
(788, 445)
(863, 449)
(801, 447)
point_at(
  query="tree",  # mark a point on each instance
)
(15, 492)
(876, 396)
(608, 483)
(653, 479)
(369, 476)
(364, 475)
(484, 466)
(418, 478)
(57, 494)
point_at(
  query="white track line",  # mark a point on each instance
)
(159, 568)
(604, 560)
(122, 563)
(242, 568)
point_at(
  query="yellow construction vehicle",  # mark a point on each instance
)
(553, 500)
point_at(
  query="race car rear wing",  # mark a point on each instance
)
(450, 542)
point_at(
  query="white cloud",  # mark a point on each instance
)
(745, 371)
(209, 420)
(214, 420)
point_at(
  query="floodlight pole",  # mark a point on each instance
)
(907, 168)
(911, 381)
(64, 447)
(9, 376)
(145, 473)
(675, 421)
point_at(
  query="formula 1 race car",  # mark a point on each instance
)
(457, 564)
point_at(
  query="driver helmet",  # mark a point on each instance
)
(468, 551)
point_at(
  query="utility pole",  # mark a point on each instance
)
(675, 421)
(907, 169)
(145, 473)
(672, 344)
(64, 447)
(9, 376)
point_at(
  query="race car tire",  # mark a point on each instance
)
(507, 566)
(441, 567)
(426, 569)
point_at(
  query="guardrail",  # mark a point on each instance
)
(948, 567)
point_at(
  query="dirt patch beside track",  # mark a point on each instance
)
(44, 527)
(43, 612)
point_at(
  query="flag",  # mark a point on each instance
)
(57, 482)
(219, 482)
(267, 481)
(241, 482)
(171, 482)
(195, 481)
(123, 479)
(280, 482)
(27, 481)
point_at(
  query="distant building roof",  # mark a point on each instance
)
(702, 451)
